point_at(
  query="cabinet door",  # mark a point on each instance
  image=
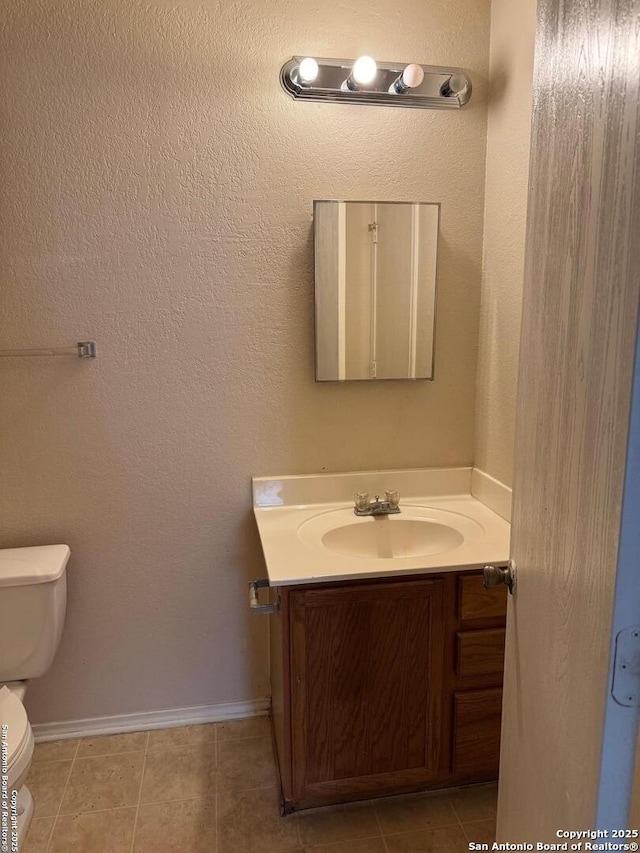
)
(366, 689)
(476, 743)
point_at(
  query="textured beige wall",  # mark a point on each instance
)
(157, 192)
(508, 139)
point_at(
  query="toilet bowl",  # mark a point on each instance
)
(33, 596)
(16, 745)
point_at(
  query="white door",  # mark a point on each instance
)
(567, 746)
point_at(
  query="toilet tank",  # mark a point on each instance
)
(33, 600)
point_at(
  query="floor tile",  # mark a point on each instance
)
(183, 827)
(103, 782)
(446, 839)
(99, 832)
(111, 744)
(481, 831)
(477, 802)
(334, 824)
(245, 764)
(182, 736)
(46, 782)
(55, 750)
(414, 811)
(38, 835)
(179, 774)
(368, 845)
(252, 727)
(250, 822)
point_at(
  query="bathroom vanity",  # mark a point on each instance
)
(386, 686)
(386, 660)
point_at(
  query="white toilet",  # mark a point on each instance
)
(33, 599)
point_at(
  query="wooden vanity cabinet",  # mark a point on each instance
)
(383, 686)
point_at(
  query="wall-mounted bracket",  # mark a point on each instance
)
(441, 88)
(254, 602)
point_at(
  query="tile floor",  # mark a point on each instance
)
(212, 789)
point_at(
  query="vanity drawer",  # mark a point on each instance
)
(476, 733)
(476, 602)
(480, 652)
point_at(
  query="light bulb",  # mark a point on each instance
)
(308, 70)
(455, 87)
(364, 70)
(412, 76)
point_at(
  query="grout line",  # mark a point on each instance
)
(64, 791)
(48, 841)
(95, 811)
(455, 811)
(335, 844)
(331, 845)
(235, 791)
(144, 767)
(470, 824)
(384, 841)
(422, 829)
(295, 820)
(181, 800)
(193, 745)
(249, 737)
(100, 755)
(217, 835)
(478, 820)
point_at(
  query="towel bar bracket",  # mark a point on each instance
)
(83, 349)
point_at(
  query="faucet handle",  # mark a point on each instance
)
(362, 500)
(393, 497)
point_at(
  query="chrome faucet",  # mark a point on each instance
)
(363, 506)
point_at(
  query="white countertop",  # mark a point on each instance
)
(291, 524)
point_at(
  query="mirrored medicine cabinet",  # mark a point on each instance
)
(375, 289)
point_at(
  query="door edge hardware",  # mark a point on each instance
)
(625, 688)
(493, 576)
(254, 601)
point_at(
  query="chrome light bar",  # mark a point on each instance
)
(333, 80)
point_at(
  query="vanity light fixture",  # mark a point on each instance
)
(365, 81)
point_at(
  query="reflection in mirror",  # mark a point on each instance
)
(375, 273)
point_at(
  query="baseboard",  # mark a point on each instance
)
(94, 726)
(491, 493)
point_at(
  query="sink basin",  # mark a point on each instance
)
(386, 537)
(416, 532)
(310, 534)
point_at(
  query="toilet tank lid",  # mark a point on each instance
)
(40, 564)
